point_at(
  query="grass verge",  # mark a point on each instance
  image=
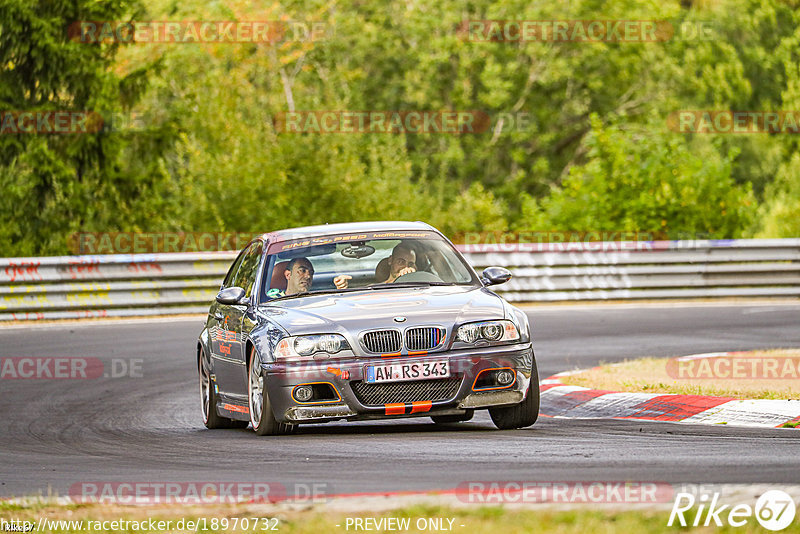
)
(744, 375)
(487, 519)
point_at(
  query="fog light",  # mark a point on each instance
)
(504, 378)
(303, 393)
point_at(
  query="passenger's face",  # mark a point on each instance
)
(299, 279)
(402, 259)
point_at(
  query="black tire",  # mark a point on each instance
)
(261, 416)
(208, 399)
(523, 414)
(455, 418)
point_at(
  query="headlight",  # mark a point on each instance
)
(305, 346)
(488, 331)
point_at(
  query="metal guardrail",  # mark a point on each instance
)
(645, 269)
(116, 285)
(163, 284)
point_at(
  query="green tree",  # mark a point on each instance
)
(636, 181)
(208, 157)
(55, 184)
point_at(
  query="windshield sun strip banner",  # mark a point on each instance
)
(284, 245)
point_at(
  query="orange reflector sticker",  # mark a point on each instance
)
(395, 409)
(421, 406)
(234, 408)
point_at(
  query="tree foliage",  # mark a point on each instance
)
(578, 136)
(55, 184)
(634, 181)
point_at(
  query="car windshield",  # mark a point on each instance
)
(308, 266)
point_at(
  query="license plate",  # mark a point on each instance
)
(399, 372)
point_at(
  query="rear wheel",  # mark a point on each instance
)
(455, 418)
(208, 399)
(523, 414)
(261, 416)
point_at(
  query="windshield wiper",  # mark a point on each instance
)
(319, 292)
(384, 285)
(390, 285)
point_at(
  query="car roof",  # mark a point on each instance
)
(344, 228)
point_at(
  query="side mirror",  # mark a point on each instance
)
(493, 276)
(232, 295)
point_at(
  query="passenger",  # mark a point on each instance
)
(402, 261)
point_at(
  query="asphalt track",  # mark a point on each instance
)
(56, 433)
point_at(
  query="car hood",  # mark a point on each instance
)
(354, 312)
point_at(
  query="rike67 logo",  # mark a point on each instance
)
(774, 510)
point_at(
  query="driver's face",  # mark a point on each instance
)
(402, 259)
(299, 279)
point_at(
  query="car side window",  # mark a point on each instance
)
(246, 275)
(228, 282)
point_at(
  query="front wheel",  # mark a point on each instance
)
(261, 416)
(523, 414)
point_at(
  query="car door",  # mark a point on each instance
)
(216, 316)
(231, 360)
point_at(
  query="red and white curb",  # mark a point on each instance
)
(575, 402)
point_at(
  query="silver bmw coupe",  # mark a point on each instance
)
(357, 321)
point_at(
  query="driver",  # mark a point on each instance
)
(402, 261)
(299, 275)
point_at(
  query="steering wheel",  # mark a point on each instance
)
(419, 276)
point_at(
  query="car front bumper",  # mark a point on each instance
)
(354, 399)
